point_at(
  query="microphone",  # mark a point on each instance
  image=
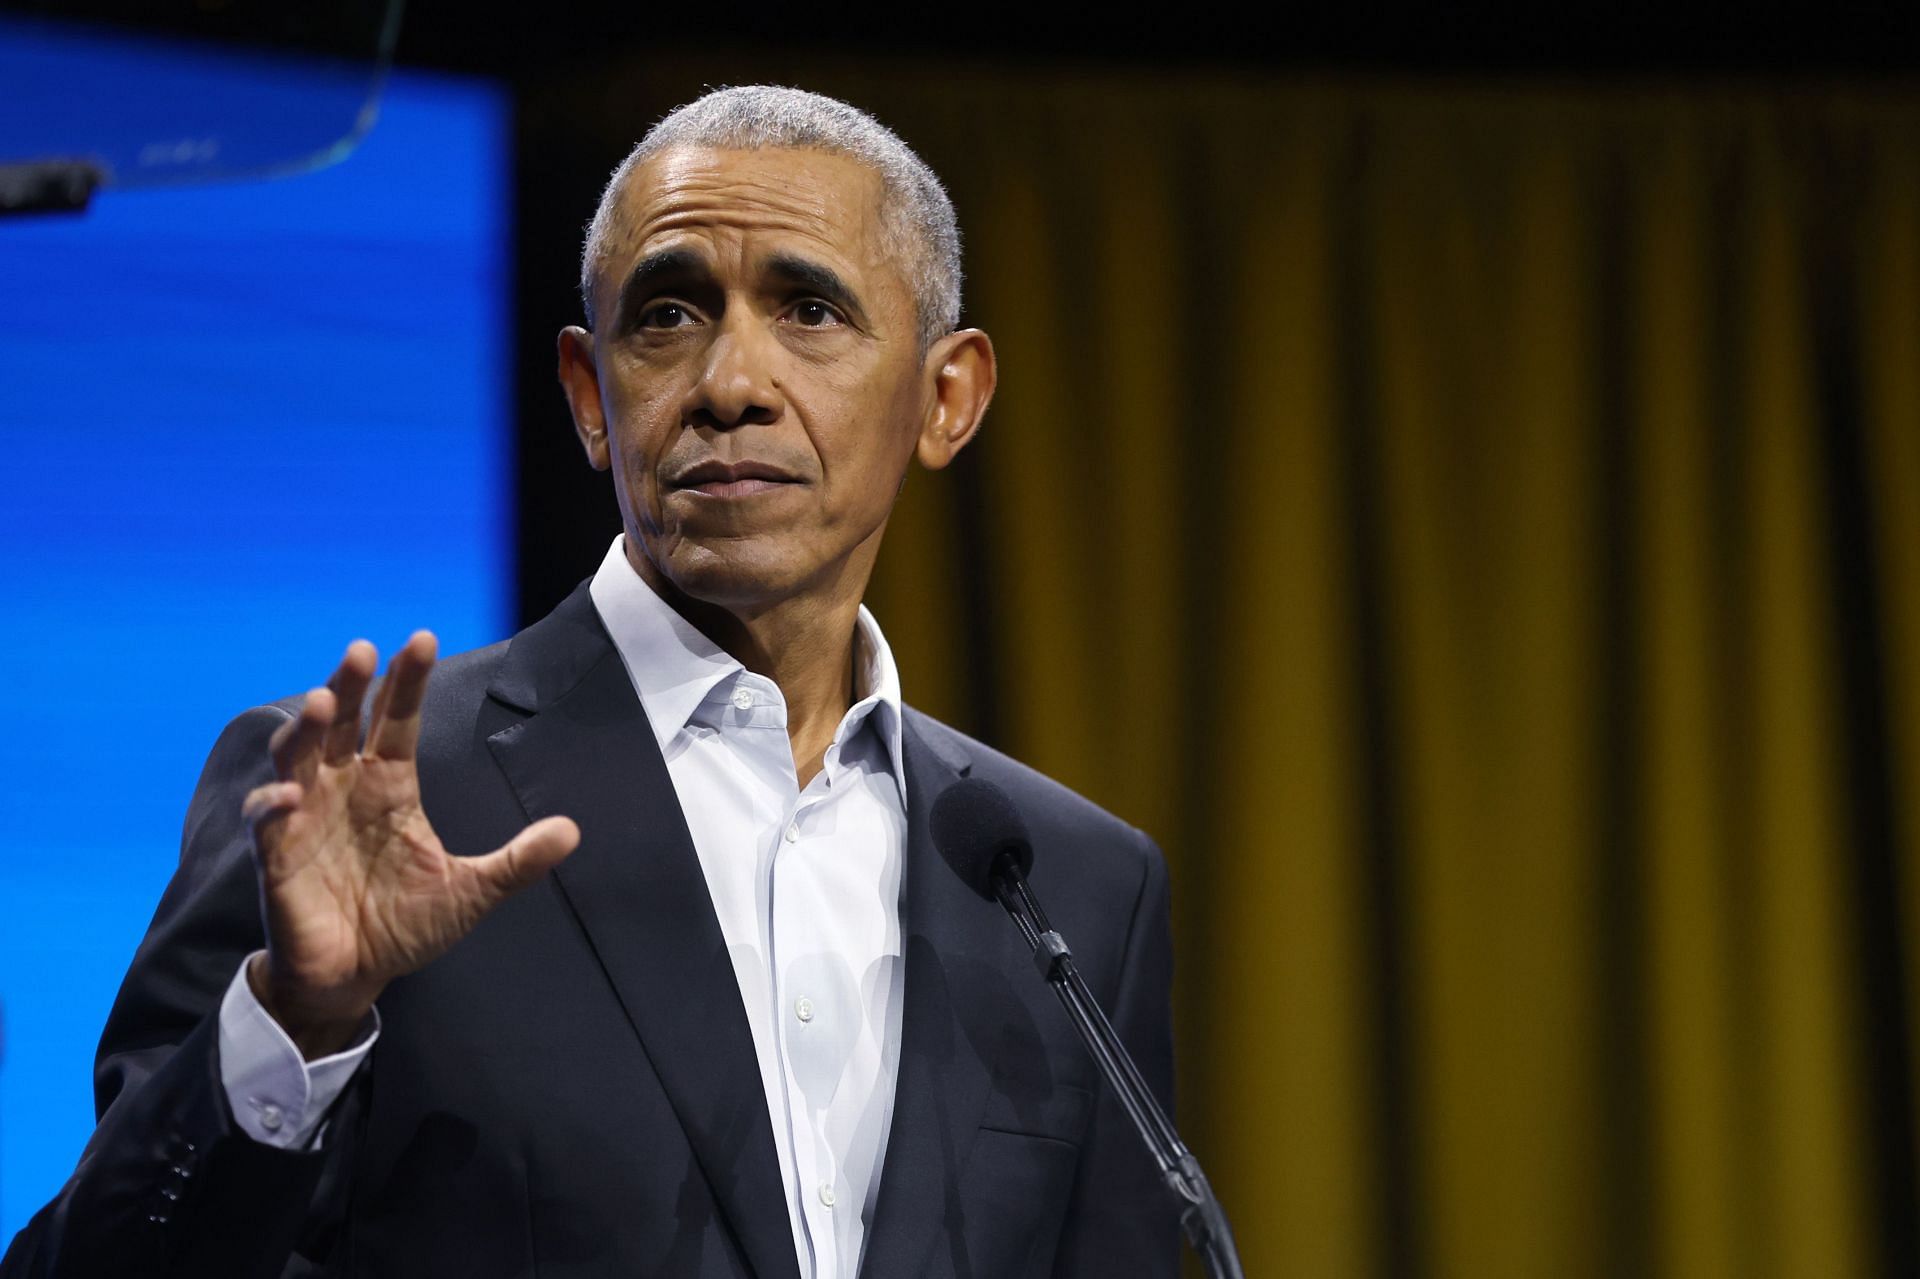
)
(980, 834)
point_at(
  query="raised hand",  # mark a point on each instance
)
(355, 888)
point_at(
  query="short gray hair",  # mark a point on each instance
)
(917, 216)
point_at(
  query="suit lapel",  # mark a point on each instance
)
(635, 885)
(956, 944)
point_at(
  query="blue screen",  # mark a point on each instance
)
(239, 426)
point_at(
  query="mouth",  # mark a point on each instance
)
(727, 480)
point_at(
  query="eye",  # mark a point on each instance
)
(666, 315)
(812, 313)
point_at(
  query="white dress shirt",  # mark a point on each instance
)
(806, 887)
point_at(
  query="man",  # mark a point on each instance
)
(713, 1006)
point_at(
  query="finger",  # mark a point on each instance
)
(395, 730)
(295, 745)
(266, 807)
(524, 859)
(349, 687)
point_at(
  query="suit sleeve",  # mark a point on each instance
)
(1121, 1220)
(169, 1185)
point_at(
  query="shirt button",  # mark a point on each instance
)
(793, 832)
(803, 1009)
(742, 698)
(270, 1117)
(826, 1195)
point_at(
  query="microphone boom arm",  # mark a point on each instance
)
(1201, 1215)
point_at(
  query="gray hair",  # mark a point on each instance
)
(916, 214)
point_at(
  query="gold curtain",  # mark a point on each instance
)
(1477, 530)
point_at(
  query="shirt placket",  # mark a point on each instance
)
(816, 1173)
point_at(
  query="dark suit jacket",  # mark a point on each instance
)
(572, 1090)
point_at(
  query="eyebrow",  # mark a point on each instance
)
(681, 265)
(649, 272)
(819, 279)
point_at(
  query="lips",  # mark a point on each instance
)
(731, 479)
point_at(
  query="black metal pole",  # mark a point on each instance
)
(1201, 1215)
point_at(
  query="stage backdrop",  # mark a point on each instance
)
(1477, 529)
(239, 426)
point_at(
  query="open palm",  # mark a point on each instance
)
(355, 887)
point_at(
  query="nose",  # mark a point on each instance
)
(736, 386)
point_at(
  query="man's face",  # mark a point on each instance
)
(756, 370)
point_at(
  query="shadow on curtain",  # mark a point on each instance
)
(1477, 531)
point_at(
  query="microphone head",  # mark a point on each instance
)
(974, 826)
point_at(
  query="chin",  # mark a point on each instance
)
(733, 575)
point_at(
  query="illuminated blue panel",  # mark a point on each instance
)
(239, 426)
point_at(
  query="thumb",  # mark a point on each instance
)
(525, 858)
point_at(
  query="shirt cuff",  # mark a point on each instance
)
(277, 1097)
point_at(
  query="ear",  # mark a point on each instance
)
(580, 379)
(963, 374)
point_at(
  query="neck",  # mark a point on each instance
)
(804, 644)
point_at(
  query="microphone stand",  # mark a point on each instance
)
(1201, 1216)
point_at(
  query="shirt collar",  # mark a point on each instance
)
(674, 666)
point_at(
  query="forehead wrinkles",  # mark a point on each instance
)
(820, 198)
